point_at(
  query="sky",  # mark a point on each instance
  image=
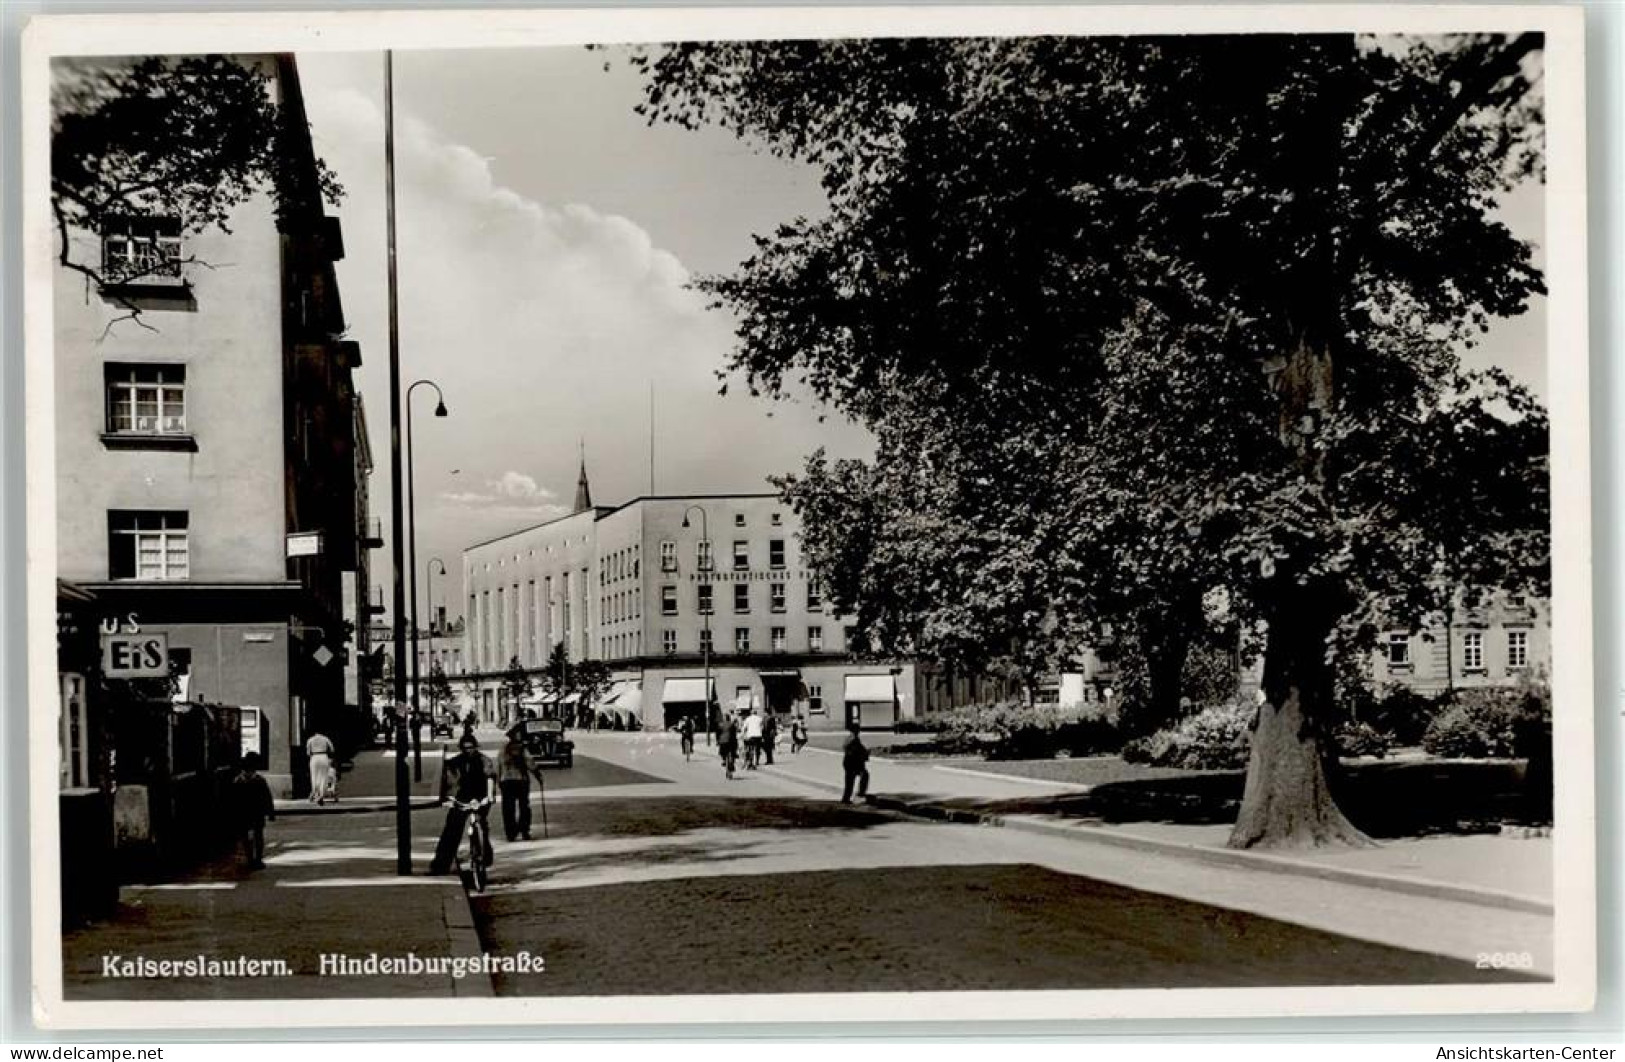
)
(546, 236)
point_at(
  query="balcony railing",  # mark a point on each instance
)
(372, 533)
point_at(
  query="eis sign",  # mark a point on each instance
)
(128, 652)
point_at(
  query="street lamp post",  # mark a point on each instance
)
(428, 600)
(412, 561)
(403, 786)
(705, 614)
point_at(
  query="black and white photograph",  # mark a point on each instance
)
(734, 515)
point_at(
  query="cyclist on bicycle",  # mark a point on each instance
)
(468, 781)
(685, 728)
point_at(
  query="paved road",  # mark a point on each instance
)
(659, 875)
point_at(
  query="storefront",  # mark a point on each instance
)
(680, 697)
(871, 701)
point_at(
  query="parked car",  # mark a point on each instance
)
(545, 741)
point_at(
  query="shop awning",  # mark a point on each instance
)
(687, 691)
(571, 698)
(630, 700)
(870, 688)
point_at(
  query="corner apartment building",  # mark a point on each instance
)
(656, 586)
(211, 467)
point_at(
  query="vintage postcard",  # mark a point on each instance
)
(743, 515)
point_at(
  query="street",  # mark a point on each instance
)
(659, 875)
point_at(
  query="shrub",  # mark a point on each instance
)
(1402, 713)
(1016, 731)
(1492, 723)
(1215, 738)
(1361, 739)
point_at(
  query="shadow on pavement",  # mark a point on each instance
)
(918, 928)
(1384, 799)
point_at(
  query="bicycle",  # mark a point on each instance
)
(479, 841)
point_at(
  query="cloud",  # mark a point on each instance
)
(510, 492)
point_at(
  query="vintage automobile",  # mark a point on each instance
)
(545, 741)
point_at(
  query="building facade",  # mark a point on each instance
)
(1504, 640)
(210, 475)
(664, 591)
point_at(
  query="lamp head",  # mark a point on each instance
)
(440, 409)
(685, 519)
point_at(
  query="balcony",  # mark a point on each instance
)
(372, 533)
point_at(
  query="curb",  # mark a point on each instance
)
(1043, 783)
(1273, 864)
(1220, 857)
(357, 807)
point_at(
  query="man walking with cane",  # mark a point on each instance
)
(514, 776)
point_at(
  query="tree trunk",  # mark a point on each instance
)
(1287, 802)
(1165, 649)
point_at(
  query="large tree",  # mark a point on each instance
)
(1136, 318)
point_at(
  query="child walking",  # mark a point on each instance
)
(252, 805)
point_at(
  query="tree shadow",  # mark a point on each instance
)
(1384, 799)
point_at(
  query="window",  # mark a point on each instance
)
(1399, 650)
(815, 639)
(668, 641)
(780, 640)
(1472, 651)
(739, 519)
(741, 555)
(1517, 649)
(778, 519)
(703, 556)
(775, 553)
(741, 597)
(777, 595)
(141, 248)
(147, 545)
(741, 639)
(815, 598)
(668, 556)
(705, 639)
(815, 700)
(705, 599)
(146, 399)
(668, 601)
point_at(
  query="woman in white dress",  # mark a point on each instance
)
(323, 780)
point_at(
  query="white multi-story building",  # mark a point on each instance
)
(659, 587)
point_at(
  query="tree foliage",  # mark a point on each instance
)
(185, 137)
(1137, 318)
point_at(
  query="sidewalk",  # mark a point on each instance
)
(1494, 870)
(329, 889)
(369, 785)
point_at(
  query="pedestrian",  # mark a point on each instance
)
(770, 736)
(467, 777)
(251, 806)
(753, 739)
(685, 730)
(514, 780)
(324, 782)
(855, 763)
(728, 744)
(798, 734)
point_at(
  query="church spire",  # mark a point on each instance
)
(583, 490)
